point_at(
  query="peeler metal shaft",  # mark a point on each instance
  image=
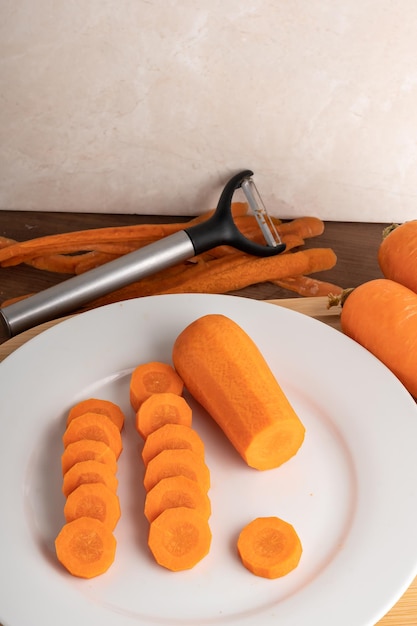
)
(73, 293)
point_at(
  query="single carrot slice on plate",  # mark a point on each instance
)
(179, 538)
(170, 437)
(174, 492)
(177, 463)
(97, 405)
(151, 378)
(88, 450)
(160, 409)
(88, 472)
(93, 500)
(269, 547)
(85, 547)
(94, 426)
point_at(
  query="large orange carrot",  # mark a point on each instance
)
(226, 373)
(397, 254)
(381, 315)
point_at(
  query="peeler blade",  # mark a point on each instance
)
(262, 216)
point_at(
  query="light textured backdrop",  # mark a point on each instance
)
(137, 106)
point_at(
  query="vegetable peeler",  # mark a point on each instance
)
(219, 229)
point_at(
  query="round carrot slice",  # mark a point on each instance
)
(179, 538)
(88, 472)
(97, 405)
(151, 378)
(88, 450)
(85, 547)
(93, 500)
(177, 463)
(94, 426)
(160, 409)
(269, 547)
(173, 492)
(172, 437)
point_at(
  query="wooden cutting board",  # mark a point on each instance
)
(404, 613)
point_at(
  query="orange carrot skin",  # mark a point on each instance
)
(226, 373)
(381, 315)
(397, 255)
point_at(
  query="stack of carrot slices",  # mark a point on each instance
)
(177, 479)
(92, 440)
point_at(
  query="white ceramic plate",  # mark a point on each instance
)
(350, 492)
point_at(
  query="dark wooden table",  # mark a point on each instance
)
(355, 245)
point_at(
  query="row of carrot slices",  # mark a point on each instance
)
(176, 481)
(86, 545)
(176, 478)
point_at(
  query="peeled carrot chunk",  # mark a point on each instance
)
(269, 547)
(88, 450)
(97, 405)
(174, 492)
(88, 472)
(224, 370)
(172, 437)
(177, 463)
(94, 426)
(179, 538)
(160, 409)
(93, 500)
(151, 378)
(85, 547)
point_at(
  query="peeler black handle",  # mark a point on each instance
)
(220, 229)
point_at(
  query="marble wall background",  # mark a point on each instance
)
(136, 106)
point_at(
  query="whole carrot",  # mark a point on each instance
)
(381, 315)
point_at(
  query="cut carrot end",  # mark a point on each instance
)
(93, 500)
(85, 547)
(160, 409)
(153, 378)
(179, 538)
(94, 426)
(274, 445)
(269, 547)
(88, 472)
(102, 407)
